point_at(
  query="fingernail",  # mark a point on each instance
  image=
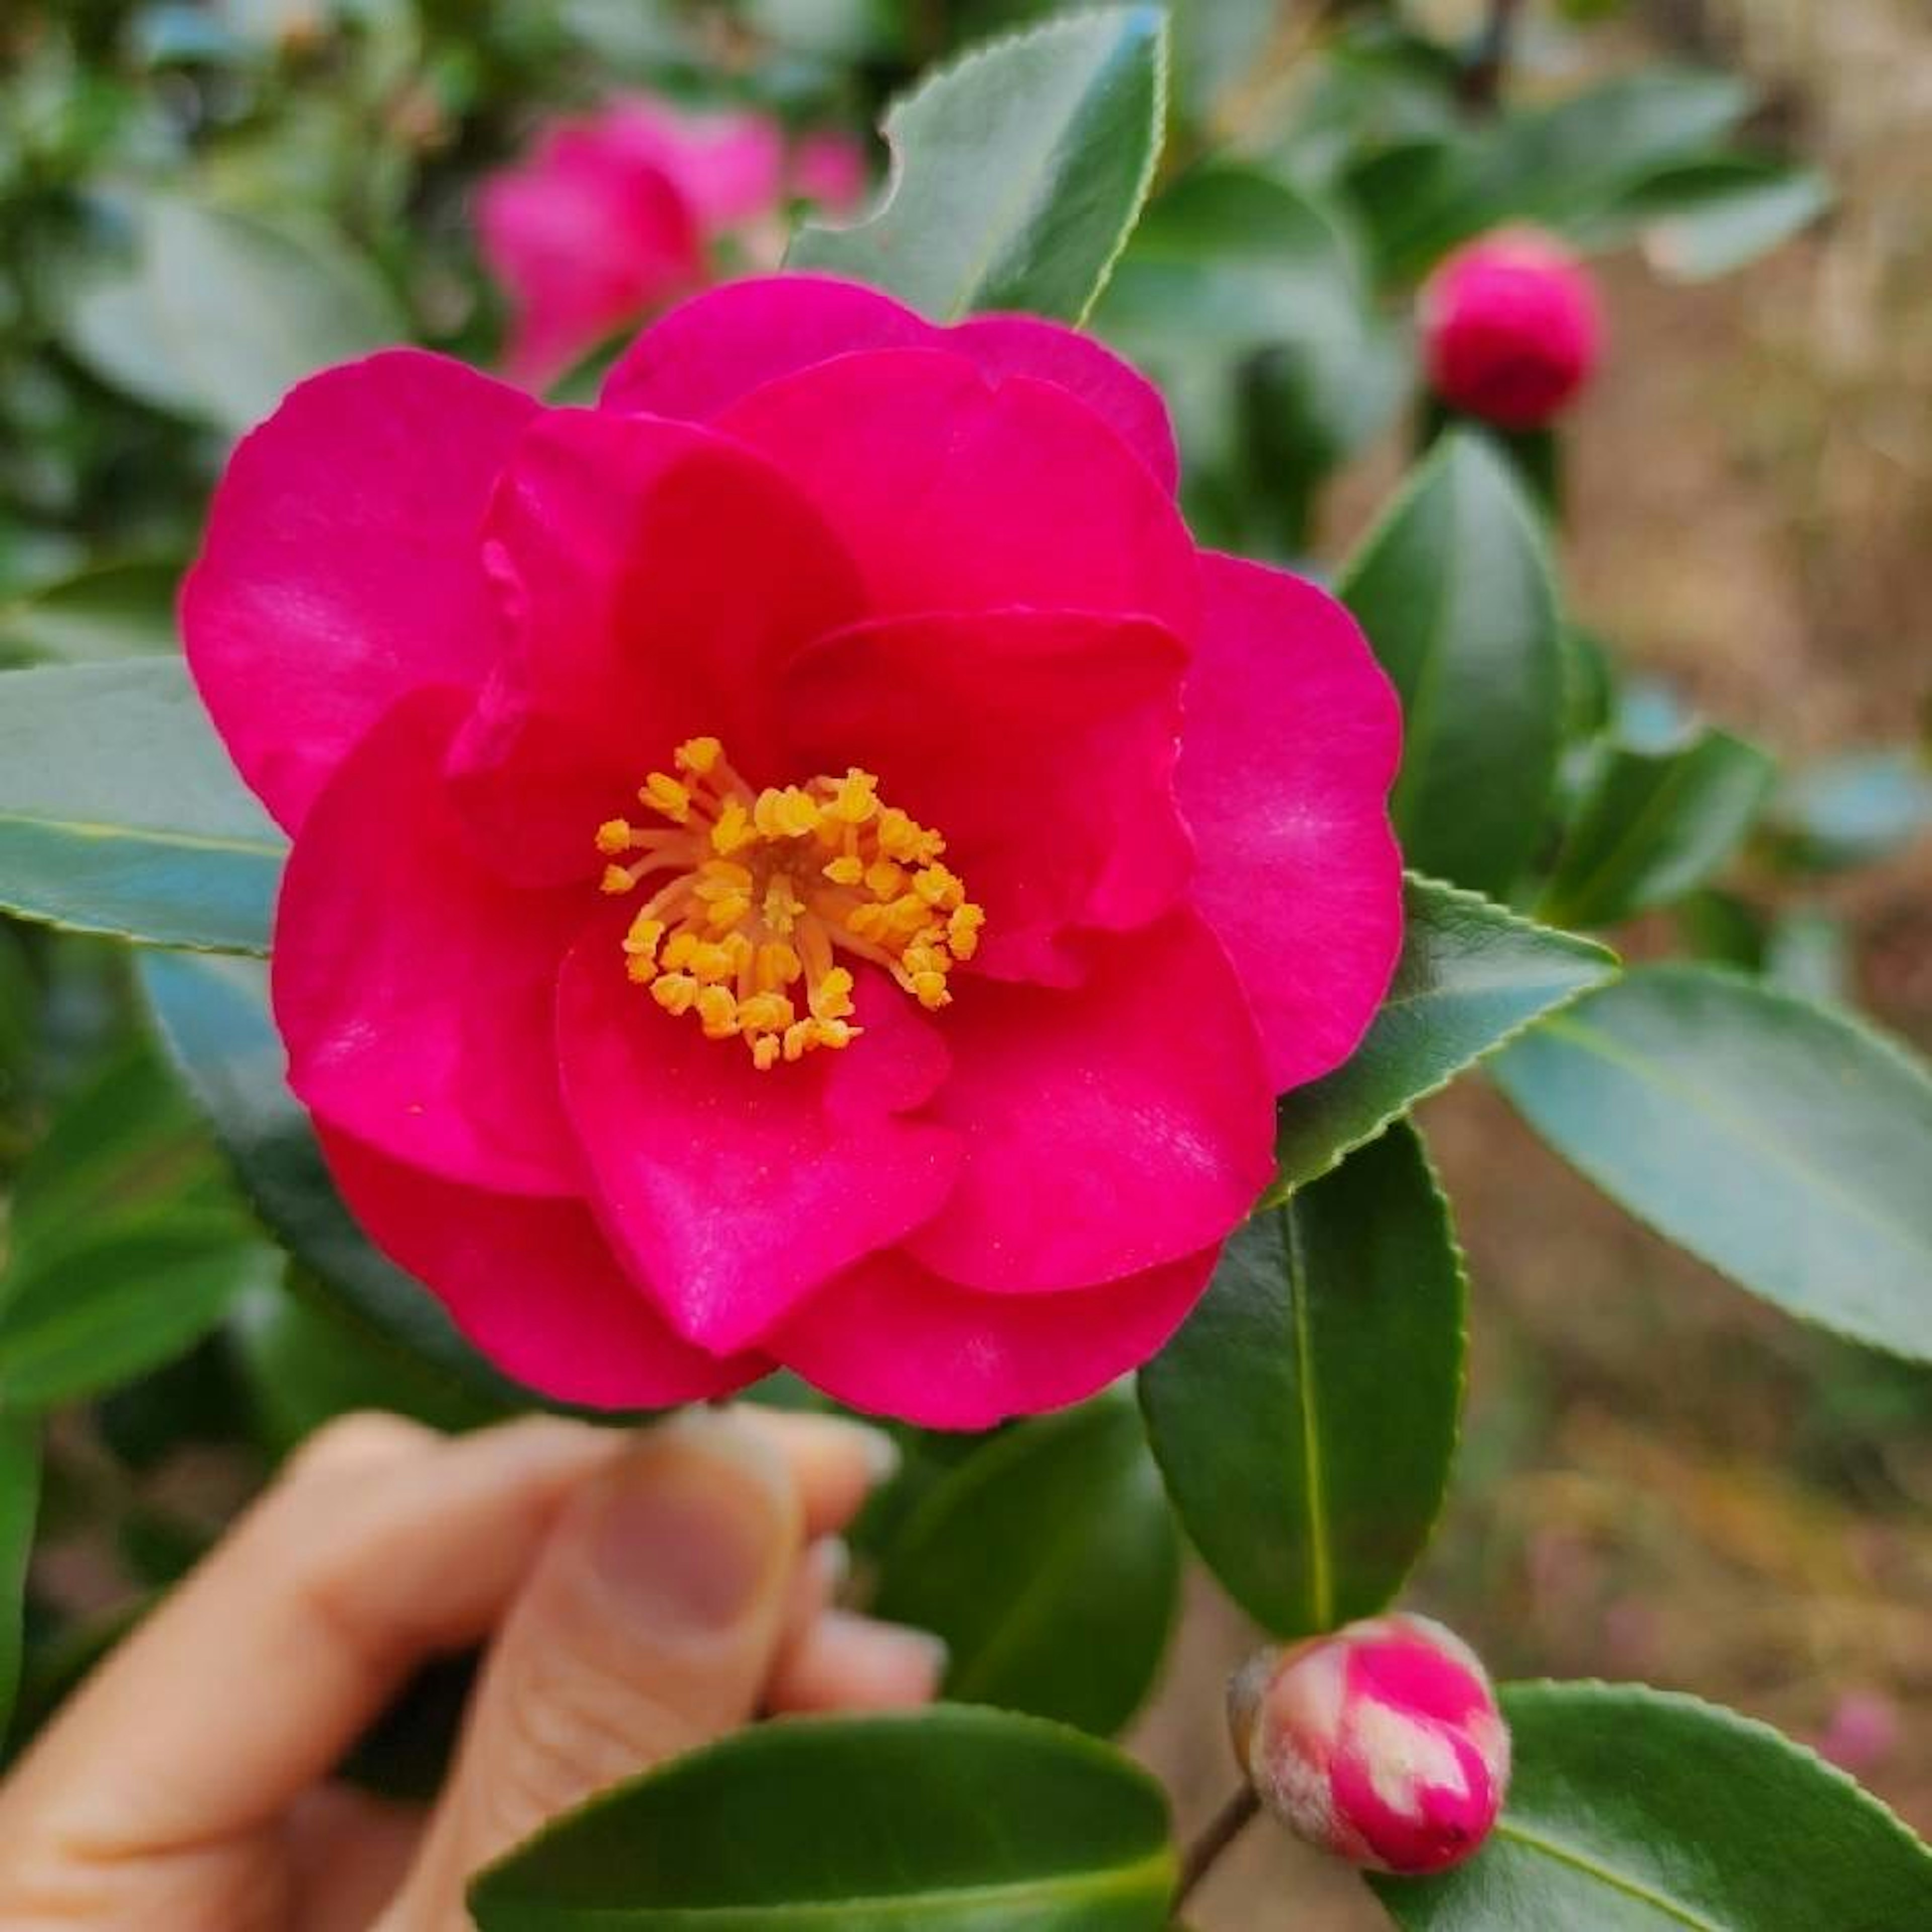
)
(695, 1523)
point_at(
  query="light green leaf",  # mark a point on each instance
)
(220, 313)
(1017, 172)
(1453, 587)
(1786, 1145)
(1048, 1562)
(19, 1504)
(1655, 826)
(213, 1015)
(1851, 811)
(124, 610)
(1345, 1302)
(1471, 975)
(120, 813)
(1636, 1810)
(945, 1820)
(1704, 218)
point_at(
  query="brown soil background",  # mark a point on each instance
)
(1661, 1479)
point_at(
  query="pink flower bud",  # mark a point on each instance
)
(1381, 1743)
(1511, 329)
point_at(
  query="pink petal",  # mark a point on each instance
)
(655, 576)
(339, 570)
(955, 491)
(413, 989)
(1041, 743)
(1292, 739)
(584, 238)
(1106, 1130)
(729, 165)
(728, 341)
(893, 1339)
(1024, 345)
(723, 344)
(532, 1283)
(828, 169)
(734, 1192)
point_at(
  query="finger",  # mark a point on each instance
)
(823, 1573)
(347, 1853)
(648, 1626)
(382, 1542)
(843, 1661)
(836, 1462)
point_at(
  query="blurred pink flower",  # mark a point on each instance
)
(806, 862)
(1381, 1743)
(611, 218)
(1511, 328)
(1862, 1731)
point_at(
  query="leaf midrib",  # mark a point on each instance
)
(1581, 1861)
(1321, 1569)
(106, 830)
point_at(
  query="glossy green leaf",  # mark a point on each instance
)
(213, 1016)
(1471, 975)
(114, 610)
(219, 313)
(1345, 1302)
(1851, 811)
(1048, 1562)
(1636, 1810)
(19, 1504)
(1785, 1145)
(1655, 826)
(946, 1820)
(1017, 172)
(120, 813)
(1706, 218)
(1454, 589)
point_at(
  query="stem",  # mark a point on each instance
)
(1482, 85)
(1229, 1822)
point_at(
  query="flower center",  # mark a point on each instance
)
(767, 888)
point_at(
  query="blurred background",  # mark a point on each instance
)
(1660, 1477)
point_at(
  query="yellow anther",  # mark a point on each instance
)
(663, 792)
(676, 992)
(855, 796)
(734, 830)
(759, 894)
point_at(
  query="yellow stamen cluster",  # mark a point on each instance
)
(766, 888)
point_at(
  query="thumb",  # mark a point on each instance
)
(649, 1625)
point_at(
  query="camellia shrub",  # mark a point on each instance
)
(634, 770)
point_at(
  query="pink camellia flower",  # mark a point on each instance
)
(612, 216)
(1511, 329)
(803, 863)
(1381, 1743)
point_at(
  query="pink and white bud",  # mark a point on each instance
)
(1511, 328)
(1380, 1743)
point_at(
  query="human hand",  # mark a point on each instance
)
(642, 1595)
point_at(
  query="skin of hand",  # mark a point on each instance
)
(640, 1595)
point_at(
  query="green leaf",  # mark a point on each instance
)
(1471, 975)
(1453, 587)
(946, 1820)
(1017, 172)
(1786, 1145)
(124, 609)
(108, 1309)
(1655, 826)
(219, 313)
(1048, 1562)
(213, 1015)
(120, 813)
(19, 1504)
(1345, 1302)
(1704, 218)
(1851, 811)
(1241, 298)
(1636, 1810)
